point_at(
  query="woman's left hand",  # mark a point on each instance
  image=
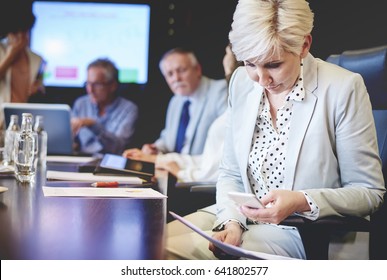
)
(279, 205)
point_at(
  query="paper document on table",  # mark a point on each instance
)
(143, 193)
(70, 159)
(7, 169)
(66, 176)
(230, 249)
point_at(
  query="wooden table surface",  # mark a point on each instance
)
(55, 228)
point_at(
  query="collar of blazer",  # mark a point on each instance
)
(310, 73)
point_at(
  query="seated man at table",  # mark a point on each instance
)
(102, 121)
(197, 102)
(202, 167)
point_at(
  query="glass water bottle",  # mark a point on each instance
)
(42, 141)
(25, 150)
(10, 133)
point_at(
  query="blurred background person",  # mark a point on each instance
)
(197, 99)
(203, 167)
(21, 70)
(102, 121)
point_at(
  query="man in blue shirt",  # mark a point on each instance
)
(102, 121)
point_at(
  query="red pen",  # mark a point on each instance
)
(105, 184)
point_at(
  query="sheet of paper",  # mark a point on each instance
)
(70, 159)
(86, 184)
(6, 169)
(143, 193)
(230, 249)
(76, 176)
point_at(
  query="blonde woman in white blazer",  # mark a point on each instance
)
(300, 136)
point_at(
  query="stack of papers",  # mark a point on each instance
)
(102, 192)
(74, 184)
(90, 177)
(70, 159)
(7, 171)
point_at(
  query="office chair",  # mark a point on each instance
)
(378, 231)
(371, 64)
(184, 200)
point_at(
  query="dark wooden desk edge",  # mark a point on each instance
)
(9, 251)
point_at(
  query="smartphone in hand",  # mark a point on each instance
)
(246, 199)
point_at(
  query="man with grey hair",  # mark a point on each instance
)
(197, 100)
(102, 121)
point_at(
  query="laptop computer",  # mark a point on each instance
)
(56, 119)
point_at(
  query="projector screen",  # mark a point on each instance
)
(69, 35)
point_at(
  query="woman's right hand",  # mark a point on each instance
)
(232, 234)
(17, 42)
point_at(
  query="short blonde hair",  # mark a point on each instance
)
(265, 28)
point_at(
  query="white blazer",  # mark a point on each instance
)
(332, 150)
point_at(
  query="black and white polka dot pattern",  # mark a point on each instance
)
(266, 165)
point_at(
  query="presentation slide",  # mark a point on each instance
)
(69, 35)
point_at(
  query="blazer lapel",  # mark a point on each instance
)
(246, 128)
(301, 116)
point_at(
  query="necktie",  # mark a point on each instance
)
(184, 120)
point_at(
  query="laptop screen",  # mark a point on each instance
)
(56, 121)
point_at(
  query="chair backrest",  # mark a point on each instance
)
(378, 231)
(371, 63)
(380, 117)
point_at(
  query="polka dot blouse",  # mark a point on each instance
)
(266, 165)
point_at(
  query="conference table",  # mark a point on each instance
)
(37, 227)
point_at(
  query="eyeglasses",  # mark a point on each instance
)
(97, 85)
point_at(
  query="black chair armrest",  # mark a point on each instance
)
(315, 235)
(210, 188)
(198, 187)
(331, 223)
(188, 197)
(193, 183)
